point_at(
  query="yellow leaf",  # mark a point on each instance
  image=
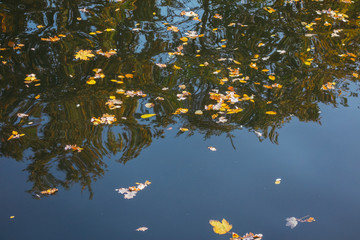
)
(272, 77)
(129, 75)
(37, 96)
(278, 181)
(177, 67)
(220, 227)
(91, 82)
(184, 129)
(271, 112)
(84, 54)
(12, 217)
(184, 39)
(148, 115)
(15, 133)
(269, 9)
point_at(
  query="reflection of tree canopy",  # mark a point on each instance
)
(58, 121)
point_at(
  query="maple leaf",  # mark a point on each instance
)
(220, 227)
(84, 54)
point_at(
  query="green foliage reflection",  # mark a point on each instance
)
(303, 45)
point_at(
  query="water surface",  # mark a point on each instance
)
(277, 86)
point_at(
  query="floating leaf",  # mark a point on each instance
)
(220, 227)
(148, 115)
(278, 181)
(49, 191)
(129, 75)
(142, 229)
(272, 77)
(91, 82)
(161, 65)
(84, 54)
(271, 112)
(248, 236)
(291, 222)
(105, 119)
(149, 105)
(269, 9)
(22, 115)
(15, 134)
(218, 16)
(130, 192)
(74, 148)
(212, 148)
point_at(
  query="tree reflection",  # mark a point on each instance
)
(62, 114)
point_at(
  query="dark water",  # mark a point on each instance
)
(310, 141)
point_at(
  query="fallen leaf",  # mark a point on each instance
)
(291, 222)
(212, 148)
(278, 181)
(22, 115)
(161, 65)
(142, 229)
(218, 16)
(220, 227)
(149, 105)
(84, 54)
(49, 191)
(91, 82)
(148, 115)
(271, 113)
(129, 75)
(130, 192)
